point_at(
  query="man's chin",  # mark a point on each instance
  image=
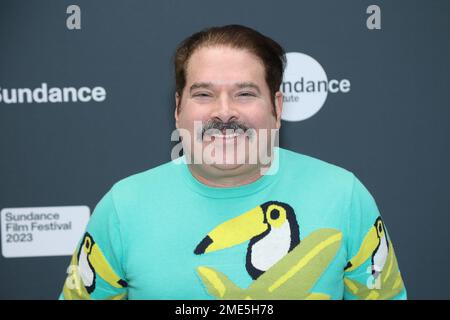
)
(224, 166)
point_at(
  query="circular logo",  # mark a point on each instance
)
(305, 87)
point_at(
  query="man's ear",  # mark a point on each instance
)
(279, 107)
(177, 101)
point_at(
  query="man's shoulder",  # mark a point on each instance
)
(147, 179)
(315, 170)
(323, 180)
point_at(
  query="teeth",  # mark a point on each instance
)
(228, 136)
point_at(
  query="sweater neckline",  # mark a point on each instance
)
(231, 192)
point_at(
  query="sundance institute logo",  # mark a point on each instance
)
(306, 86)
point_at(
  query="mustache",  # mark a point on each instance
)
(214, 124)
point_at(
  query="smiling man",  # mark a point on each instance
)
(235, 217)
(221, 82)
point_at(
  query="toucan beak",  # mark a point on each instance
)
(102, 267)
(234, 231)
(366, 250)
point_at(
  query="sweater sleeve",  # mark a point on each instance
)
(96, 269)
(372, 271)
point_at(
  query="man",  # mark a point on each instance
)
(236, 217)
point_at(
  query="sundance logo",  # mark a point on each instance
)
(43, 94)
(306, 86)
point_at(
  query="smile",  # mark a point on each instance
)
(226, 136)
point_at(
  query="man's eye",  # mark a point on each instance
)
(202, 95)
(246, 94)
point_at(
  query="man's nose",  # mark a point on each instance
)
(224, 109)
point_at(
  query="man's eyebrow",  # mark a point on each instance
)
(199, 85)
(242, 85)
(209, 85)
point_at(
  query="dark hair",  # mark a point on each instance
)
(270, 52)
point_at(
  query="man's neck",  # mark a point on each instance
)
(226, 178)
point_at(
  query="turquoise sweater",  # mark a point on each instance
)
(308, 230)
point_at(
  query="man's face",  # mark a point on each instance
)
(226, 89)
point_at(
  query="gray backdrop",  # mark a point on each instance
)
(391, 129)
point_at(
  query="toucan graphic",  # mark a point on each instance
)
(293, 277)
(387, 280)
(272, 229)
(375, 244)
(91, 262)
